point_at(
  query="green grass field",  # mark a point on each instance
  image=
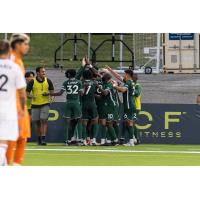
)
(142, 155)
(43, 46)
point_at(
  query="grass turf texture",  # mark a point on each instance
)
(142, 155)
(43, 46)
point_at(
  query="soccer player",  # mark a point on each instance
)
(20, 47)
(110, 108)
(11, 80)
(128, 91)
(72, 114)
(100, 102)
(36, 90)
(89, 108)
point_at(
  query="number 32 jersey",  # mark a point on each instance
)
(72, 87)
(11, 79)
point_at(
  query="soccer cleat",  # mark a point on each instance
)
(129, 144)
(138, 142)
(43, 143)
(121, 141)
(106, 144)
(114, 143)
(94, 144)
(85, 143)
(103, 141)
(135, 141)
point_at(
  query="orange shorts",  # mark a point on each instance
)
(24, 125)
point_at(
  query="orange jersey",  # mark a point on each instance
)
(24, 123)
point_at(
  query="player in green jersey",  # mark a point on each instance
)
(89, 108)
(128, 91)
(116, 123)
(100, 102)
(72, 110)
(110, 104)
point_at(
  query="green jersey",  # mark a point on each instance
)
(110, 99)
(129, 94)
(72, 88)
(116, 97)
(89, 89)
(100, 102)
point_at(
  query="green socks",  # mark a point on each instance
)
(95, 128)
(103, 131)
(111, 132)
(84, 135)
(79, 130)
(117, 130)
(135, 132)
(130, 130)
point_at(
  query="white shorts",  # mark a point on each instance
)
(9, 130)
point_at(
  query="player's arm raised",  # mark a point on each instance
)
(89, 65)
(115, 74)
(120, 88)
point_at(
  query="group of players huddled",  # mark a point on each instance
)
(93, 105)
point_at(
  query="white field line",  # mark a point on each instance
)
(116, 151)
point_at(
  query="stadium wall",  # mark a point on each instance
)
(157, 123)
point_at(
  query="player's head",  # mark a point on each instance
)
(20, 43)
(87, 75)
(106, 77)
(40, 71)
(135, 77)
(29, 76)
(128, 74)
(4, 49)
(70, 73)
(102, 71)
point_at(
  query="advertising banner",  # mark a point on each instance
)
(157, 123)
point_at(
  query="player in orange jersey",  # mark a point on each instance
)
(20, 47)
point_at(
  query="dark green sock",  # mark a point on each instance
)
(103, 131)
(123, 131)
(135, 132)
(95, 128)
(84, 135)
(108, 135)
(130, 130)
(79, 130)
(66, 129)
(72, 129)
(111, 132)
(116, 127)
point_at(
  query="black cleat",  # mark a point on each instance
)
(114, 143)
(106, 144)
(43, 143)
(121, 141)
(138, 142)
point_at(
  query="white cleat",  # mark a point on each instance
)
(129, 144)
(135, 141)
